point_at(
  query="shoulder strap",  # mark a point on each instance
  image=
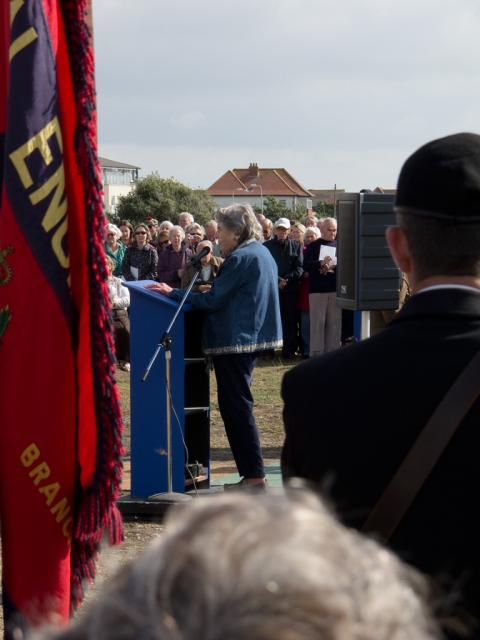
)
(425, 453)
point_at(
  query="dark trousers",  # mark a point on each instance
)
(121, 324)
(234, 377)
(289, 315)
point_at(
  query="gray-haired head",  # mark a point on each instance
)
(112, 228)
(241, 219)
(270, 567)
(165, 225)
(185, 218)
(312, 231)
(176, 229)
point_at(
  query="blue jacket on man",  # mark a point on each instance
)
(243, 312)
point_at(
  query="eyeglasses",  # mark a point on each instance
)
(140, 233)
(150, 226)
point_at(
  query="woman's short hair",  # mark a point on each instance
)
(270, 567)
(241, 219)
(112, 228)
(314, 230)
(176, 227)
(166, 224)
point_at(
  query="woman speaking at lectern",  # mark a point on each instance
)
(242, 319)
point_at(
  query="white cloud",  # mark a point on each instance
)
(334, 91)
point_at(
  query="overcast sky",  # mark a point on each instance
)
(335, 91)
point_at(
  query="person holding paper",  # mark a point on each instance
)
(320, 261)
(141, 259)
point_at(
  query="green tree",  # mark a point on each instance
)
(164, 199)
(274, 209)
(325, 209)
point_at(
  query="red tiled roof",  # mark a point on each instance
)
(274, 182)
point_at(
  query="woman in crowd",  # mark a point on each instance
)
(297, 232)
(210, 266)
(163, 240)
(242, 319)
(172, 261)
(120, 301)
(310, 234)
(127, 232)
(114, 248)
(140, 261)
(166, 225)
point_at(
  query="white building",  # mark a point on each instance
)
(118, 180)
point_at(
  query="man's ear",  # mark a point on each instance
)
(398, 245)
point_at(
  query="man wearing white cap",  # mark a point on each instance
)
(288, 256)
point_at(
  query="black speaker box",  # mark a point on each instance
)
(367, 277)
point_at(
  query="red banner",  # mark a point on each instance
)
(60, 424)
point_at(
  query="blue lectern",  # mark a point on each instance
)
(150, 315)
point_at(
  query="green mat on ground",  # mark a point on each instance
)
(272, 472)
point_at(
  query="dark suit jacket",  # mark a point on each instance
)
(352, 415)
(288, 256)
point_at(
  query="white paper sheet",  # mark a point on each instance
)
(328, 251)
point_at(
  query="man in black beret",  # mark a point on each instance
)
(377, 395)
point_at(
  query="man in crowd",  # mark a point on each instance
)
(288, 255)
(211, 233)
(267, 228)
(325, 314)
(378, 394)
(184, 219)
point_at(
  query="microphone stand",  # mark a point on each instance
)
(166, 344)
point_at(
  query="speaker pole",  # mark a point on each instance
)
(365, 327)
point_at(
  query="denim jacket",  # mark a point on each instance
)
(243, 312)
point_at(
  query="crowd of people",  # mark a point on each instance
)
(392, 444)
(311, 320)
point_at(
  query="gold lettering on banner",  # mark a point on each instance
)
(50, 491)
(61, 509)
(55, 220)
(40, 142)
(26, 38)
(40, 472)
(29, 455)
(15, 6)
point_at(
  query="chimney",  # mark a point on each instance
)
(253, 170)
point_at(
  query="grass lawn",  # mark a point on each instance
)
(268, 412)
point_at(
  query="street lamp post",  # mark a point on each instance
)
(233, 193)
(261, 193)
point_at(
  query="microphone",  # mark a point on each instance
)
(195, 260)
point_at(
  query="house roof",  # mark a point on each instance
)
(325, 195)
(274, 182)
(113, 164)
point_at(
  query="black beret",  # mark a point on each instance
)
(442, 180)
